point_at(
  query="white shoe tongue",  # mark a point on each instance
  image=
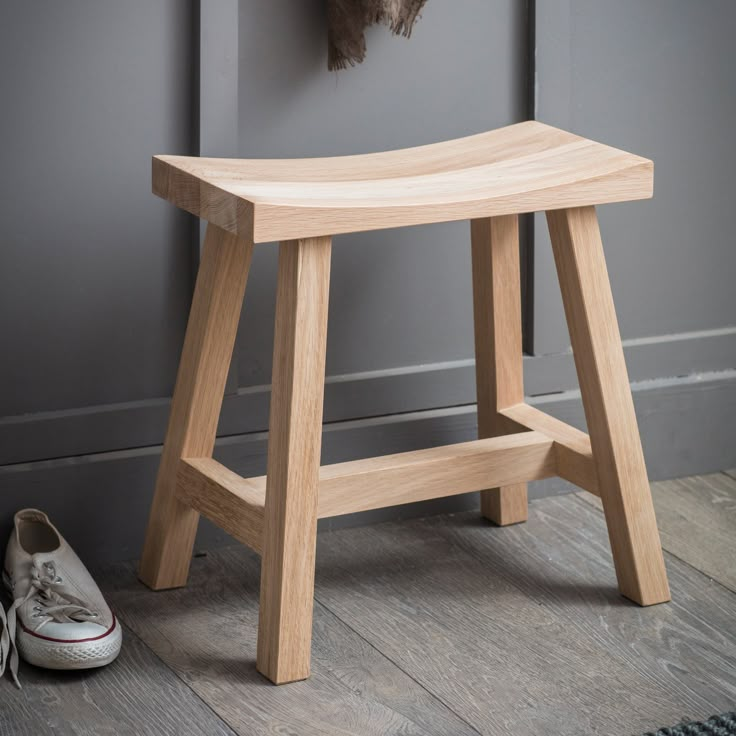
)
(46, 563)
(43, 558)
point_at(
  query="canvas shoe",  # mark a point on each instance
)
(58, 618)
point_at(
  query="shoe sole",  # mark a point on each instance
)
(71, 655)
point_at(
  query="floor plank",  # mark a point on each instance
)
(207, 634)
(697, 522)
(448, 625)
(137, 695)
(521, 630)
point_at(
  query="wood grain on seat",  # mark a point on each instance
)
(525, 167)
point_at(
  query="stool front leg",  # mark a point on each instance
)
(609, 407)
(195, 408)
(295, 440)
(498, 351)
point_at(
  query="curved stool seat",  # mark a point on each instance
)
(522, 168)
(488, 179)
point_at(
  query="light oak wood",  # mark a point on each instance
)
(195, 409)
(488, 178)
(235, 504)
(609, 408)
(434, 473)
(525, 167)
(295, 438)
(499, 375)
(574, 458)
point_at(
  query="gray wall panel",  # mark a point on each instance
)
(401, 297)
(655, 78)
(95, 273)
(368, 394)
(94, 282)
(115, 488)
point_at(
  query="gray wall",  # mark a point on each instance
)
(96, 273)
(655, 78)
(400, 298)
(94, 287)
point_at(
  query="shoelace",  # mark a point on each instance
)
(4, 640)
(49, 603)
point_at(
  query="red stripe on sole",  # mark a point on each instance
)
(70, 641)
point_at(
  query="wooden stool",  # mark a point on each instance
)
(488, 178)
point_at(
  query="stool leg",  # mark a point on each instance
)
(295, 439)
(195, 408)
(498, 354)
(609, 408)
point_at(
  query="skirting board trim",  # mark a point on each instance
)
(105, 428)
(688, 427)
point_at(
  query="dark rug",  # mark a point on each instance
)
(723, 725)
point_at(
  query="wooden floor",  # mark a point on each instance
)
(444, 625)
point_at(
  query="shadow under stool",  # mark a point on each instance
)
(488, 179)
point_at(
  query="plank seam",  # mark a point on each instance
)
(434, 696)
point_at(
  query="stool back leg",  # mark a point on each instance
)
(609, 408)
(196, 404)
(295, 440)
(498, 353)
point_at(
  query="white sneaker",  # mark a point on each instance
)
(59, 618)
